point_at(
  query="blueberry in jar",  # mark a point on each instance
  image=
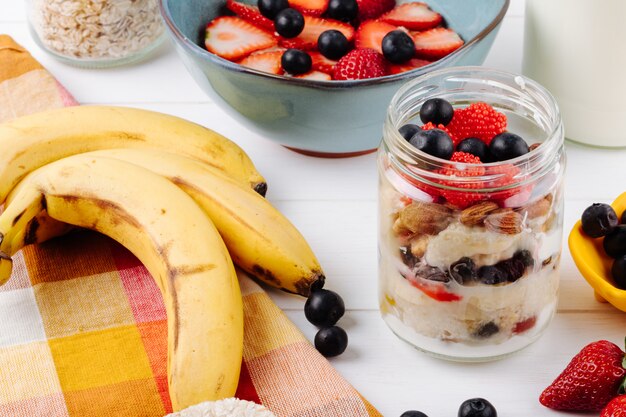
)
(526, 257)
(434, 142)
(477, 407)
(486, 330)
(333, 44)
(437, 111)
(270, 8)
(463, 270)
(491, 275)
(413, 413)
(599, 220)
(619, 272)
(324, 308)
(331, 341)
(295, 61)
(344, 10)
(408, 130)
(507, 146)
(475, 147)
(289, 23)
(615, 242)
(398, 47)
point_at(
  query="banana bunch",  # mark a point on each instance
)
(183, 199)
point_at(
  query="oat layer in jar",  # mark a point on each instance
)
(96, 33)
(469, 249)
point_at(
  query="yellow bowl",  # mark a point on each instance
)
(594, 264)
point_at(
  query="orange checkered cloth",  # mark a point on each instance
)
(83, 325)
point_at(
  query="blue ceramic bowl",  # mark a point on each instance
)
(323, 118)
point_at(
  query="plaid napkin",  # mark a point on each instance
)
(83, 326)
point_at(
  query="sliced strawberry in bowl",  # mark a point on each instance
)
(371, 33)
(408, 66)
(310, 7)
(371, 9)
(414, 16)
(315, 75)
(266, 60)
(250, 14)
(436, 43)
(313, 28)
(233, 38)
(321, 63)
(360, 64)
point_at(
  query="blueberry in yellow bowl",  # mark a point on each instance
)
(317, 76)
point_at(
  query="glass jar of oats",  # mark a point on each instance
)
(96, 33)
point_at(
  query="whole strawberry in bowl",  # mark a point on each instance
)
(317, 75)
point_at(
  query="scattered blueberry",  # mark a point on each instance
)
(475, 147)
(413, 413)
(436, 110)
(463, 270)
(615, 242)
(491, 275)
(477, 407)
(333, 44)
(331, 341)
(526, 257)
(289, 23)
(295, 61)
(599, 220)
(407, 131)
(624, 217)
(324, 308)
(486, 330)
(619, 272)
(344, 10)
(270, 8)
(434, 142)
(398, 47)
(507, 146)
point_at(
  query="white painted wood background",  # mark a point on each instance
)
(333, 203)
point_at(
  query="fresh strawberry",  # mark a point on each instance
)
(360, 64)
(408, 66)
(430, 125)
(371, 33)
(233, 38)
(436, 43)
(415, 16)
(463, 197)
(310, 7)
(435, 290)
(315, 75)
(321, 63)
(313, 28)
(466, 158)
(590, 381)
(266, 61)
(478, 120)
(371, 9)
(250, 14)
(616, 408)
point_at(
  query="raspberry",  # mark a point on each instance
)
(478, 120)
(430, 126)
(466, 158)
(509, 174)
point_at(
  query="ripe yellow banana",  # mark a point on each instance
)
(175, 240)
(32, 141)
(259, 238)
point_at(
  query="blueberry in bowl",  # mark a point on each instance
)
(312, 112)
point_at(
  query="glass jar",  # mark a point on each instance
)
(469, 253)
(96, 33)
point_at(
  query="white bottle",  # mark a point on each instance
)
(577, 50)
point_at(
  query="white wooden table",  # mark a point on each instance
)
(333, 203)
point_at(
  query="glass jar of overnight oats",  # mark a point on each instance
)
(469, 252)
